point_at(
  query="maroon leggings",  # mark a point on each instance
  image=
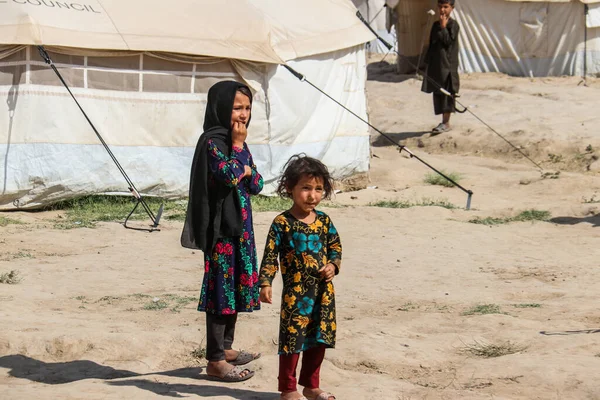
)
(309, 374)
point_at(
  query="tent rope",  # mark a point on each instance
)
(444, 91)
(132, 188)
(302, 78)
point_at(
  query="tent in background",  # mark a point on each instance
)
(520, 38)
(141, 70)
(381, 19)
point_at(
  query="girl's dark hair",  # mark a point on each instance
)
(244, 90)
(451, 2)
(301, 165)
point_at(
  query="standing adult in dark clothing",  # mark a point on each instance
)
(442, 64)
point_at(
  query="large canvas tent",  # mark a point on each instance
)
(141, 70)
(520, 38)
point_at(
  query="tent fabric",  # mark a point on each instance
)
(150, 109)
(520, 38)
(593, 17)
(531, 39)
(257, 30)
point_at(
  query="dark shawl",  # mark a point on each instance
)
(217, 213)
(442, 58)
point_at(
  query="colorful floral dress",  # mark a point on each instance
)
(230, 282)
(308, 302)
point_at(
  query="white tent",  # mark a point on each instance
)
(141, 70)
(520, 38)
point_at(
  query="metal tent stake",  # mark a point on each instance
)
(302, 78)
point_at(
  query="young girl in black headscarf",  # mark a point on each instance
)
(219, 222)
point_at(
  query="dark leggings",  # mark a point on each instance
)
(220, 330)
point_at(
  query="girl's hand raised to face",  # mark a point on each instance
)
(266, 294)
(328, 272)
(238, 134)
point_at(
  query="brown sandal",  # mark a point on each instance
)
(233, 376)
(244, 358)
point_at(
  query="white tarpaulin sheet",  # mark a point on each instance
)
(516, 37)
(150, 111)
(593, 17)
(526, 38)
(256, 30)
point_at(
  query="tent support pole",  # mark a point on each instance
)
(422, 44)
(586, 10)
(136, 194)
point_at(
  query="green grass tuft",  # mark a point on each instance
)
(425, 202)
(180, 301)
(270, 203)
(156, 304)
(4, 221)
(483, 309)
(437, 179)
(488, 221)
(140, 296)
(199, 353)
(11, 278)
(528, 215)
(85, 212)
(491, 350)
(532, 215)
(391, 204)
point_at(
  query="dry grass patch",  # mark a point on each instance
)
(492, 350)
(11, 278)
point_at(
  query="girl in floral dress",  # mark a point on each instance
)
(305, 245)
(219, 222)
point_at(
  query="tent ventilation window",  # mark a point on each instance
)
(115, 71)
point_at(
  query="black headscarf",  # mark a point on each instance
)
(217, 213)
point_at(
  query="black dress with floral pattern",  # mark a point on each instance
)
(230, 281)
(307, 301)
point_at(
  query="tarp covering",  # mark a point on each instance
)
(593, 17)
(256, 30)
(529, 39)
(521, 38)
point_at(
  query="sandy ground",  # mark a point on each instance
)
(76, 327)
